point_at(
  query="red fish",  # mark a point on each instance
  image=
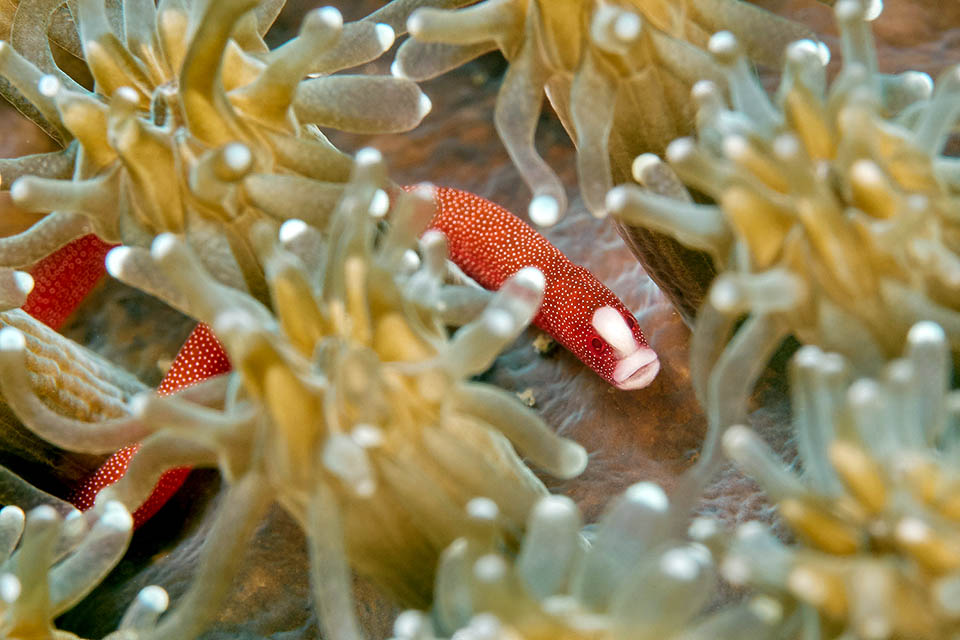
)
(486, 241)
(490, 244)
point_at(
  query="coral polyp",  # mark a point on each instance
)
(193, 125)
(835, 206)
(875, 504)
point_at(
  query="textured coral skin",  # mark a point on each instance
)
(490, 244)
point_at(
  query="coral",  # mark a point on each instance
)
(349, 404)
(875, 505)
(194, 126)
(630, 577)
(834, 206)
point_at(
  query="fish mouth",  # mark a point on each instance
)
(636, 370)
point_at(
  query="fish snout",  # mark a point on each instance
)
(636, 370)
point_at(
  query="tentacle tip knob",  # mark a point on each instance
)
(432, 238)
(926, 332)
(481, 508)
(163, 245)
(736, 442)
(238, 158)
(415, 24)
(649, 495)
(533, 277)
(12, 340)
(385, 35)
(20, 190)
(490, 568)
(554, 507)
(873, 10)
(703, 528)
(411, 261)
(10, 588)
(368, 156)
(117, 517)
(11, 514)
(330, 17)
(642, 164)
(680, 150)
(847, 11)
(802, 50)
(918, 84)
(154, 598)
(544, 210)
(291, 230)
(627, 26)
(680, 565)
(412, 624)
(766, 609)
(116, 260)
(48, 86)
(379, 204)
(24, 282)
(397, 71)
(44, 513)
(126, 95)
(723, 45)
(573, 460)
(616, 200)
(424, 105)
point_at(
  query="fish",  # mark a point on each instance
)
(490, 244)
(487, 242)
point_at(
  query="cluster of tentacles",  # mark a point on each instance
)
(834, 215)
(617, 74)
(193, 125)
(875, 505)
(48, 563)
(349, 404)
(632, 576)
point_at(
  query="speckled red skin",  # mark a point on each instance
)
(486, 241)
(490, 244)
(201, 357)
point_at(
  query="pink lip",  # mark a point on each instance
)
(637, 370)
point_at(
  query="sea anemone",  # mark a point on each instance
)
(618, 75)
(193, 126)
(874, 507)
(49, 563)
(834, 206)
(629, 576)
(349, 404)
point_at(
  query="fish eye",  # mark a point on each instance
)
(596, 343)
